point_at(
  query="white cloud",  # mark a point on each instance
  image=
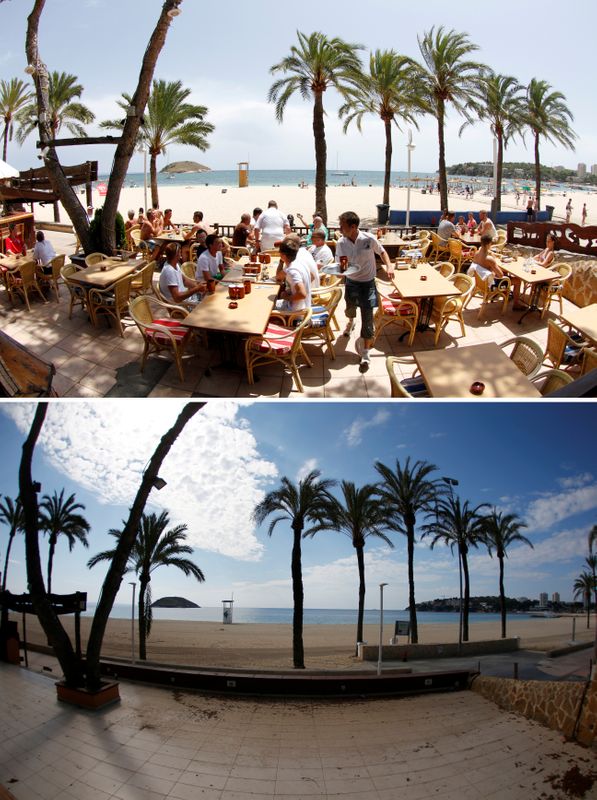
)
(575, 480)
(214, 472)
(309, 465)
(548, 510)
(354, 432)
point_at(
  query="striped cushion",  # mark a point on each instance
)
(279, 346)
(415, 386)
(319, 317)
(391, 310)
(176, 329)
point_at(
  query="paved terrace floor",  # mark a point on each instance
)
(159, 744)
(95, 362)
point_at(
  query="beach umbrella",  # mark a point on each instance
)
(6, 171)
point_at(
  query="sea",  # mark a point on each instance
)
(312, 616)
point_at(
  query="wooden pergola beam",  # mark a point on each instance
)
(79, 140)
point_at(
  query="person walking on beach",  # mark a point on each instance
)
(530, 212)
(584, 214)
(360, 292)
(568, 210)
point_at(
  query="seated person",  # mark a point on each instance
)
(174, 285)
(158, 215)
(485, 263)
(446, 228)
(43, 252)
(14, 244)
(227, 261)
(471, 222)
(243, 235)
(322, 255)
(141, 217)
(131, 221)
(197, 227)
(168, 224)
(545, 257)
(296, 294)
(150, 228)
(305, 258)
(210, 262)
(317, 224)
(461, 226)
(486, 226)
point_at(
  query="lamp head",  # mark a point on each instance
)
(158, 483)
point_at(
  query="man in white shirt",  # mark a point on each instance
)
(486, 226)
(43, 252)
(296, 295)
(210, 262)
(322, 255)
(271, 226)
(360, 249)
(174, 285)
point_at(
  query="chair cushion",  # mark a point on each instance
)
(278, 346)
(415, 386)
(319, 316)
(177, 330)
(392, 310)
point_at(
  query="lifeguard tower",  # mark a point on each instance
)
(227, 611)
(243, 174)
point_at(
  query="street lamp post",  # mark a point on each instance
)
(133, 584)
(409, 147)
(451, 482)
(379, 651)
(145, 177)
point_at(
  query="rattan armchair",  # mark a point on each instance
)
(589, 360)
(50, 279)
(189, 269)
(77, 294)
(160, 330)
(22, 281)
(404, 387)
(393, 310)
(501, 241)
(112, 302)
(278, 345)
(437, 248)
(94, 258)
(460, 255)
(526, 354)
(445, 268)
(553, 289)
(550, 381)
(324, 302)
(489, 293)
(142, 282)
(561, 348)
(446, 309)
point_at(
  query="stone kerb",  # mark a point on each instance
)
(405, 652)
(568, 707)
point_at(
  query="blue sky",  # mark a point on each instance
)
(223, 54)
(534, 459)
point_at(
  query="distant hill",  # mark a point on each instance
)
(521, 171)
(184, 166)
(174, 602)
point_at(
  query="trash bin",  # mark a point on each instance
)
(383, 212)
(10, 643)
(550, 210)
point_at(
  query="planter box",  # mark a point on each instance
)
(83, 698)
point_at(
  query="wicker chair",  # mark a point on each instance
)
(94, 258)
(132, 240)
(526, 354)
(393, 310)
(142, 282)
(160, 330)
(324, 302)
(238, 251)
(451, 308)
(548, 382)
(112, 302)
(459, 255)
(50, 279)
(445, 268)
(501, 291)
(279, 345)
(562, 348)
(438, 247)
(22, 281)
(188, 269)
(405, 387)
(77, 294)
(589, 360)
(554, 289)
(501, 242)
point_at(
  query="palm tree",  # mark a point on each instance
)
(405, 492)
(548, 117)
(315, 65)
(308, 503)
(591, 562)
(59, 516)
(14, 96)
(62, 109)
(11, 514)
(583, 586)
(389, 92)
(169, 119)
(154, 547)
(448, 76)
(592, 537)
(359, 516)
(459, 526)
(502, 530)
(501, 103)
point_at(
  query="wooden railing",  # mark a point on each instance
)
(570, 237)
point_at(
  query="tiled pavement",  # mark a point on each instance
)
(91, 362)
(159, 744)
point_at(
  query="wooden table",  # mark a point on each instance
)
(12, 262)
(393, 244)
(169, 236)
(95, 278)
(410, 286)
(250, 317)
(584, 320)
(450, 373)
(518, 269)
(469, 240)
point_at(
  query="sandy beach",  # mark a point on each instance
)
(269, 646)
(226, 204)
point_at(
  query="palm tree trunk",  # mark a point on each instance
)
(51, 550)
(388, 164)
(11, 536)
(298, 654)
(467, 597)
(537, 172)
(320, 157)
(5, 140)
(71, 665)
(142, 621)
(443, 183)
(153, 177)
(502, 598)
(126, 542)
(410, 539)
(500, 170)
(588, 610)
(361, 611)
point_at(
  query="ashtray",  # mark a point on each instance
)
(103, 268)
(423, 278)
(477, 388)
(234, 304)
(533, 272)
